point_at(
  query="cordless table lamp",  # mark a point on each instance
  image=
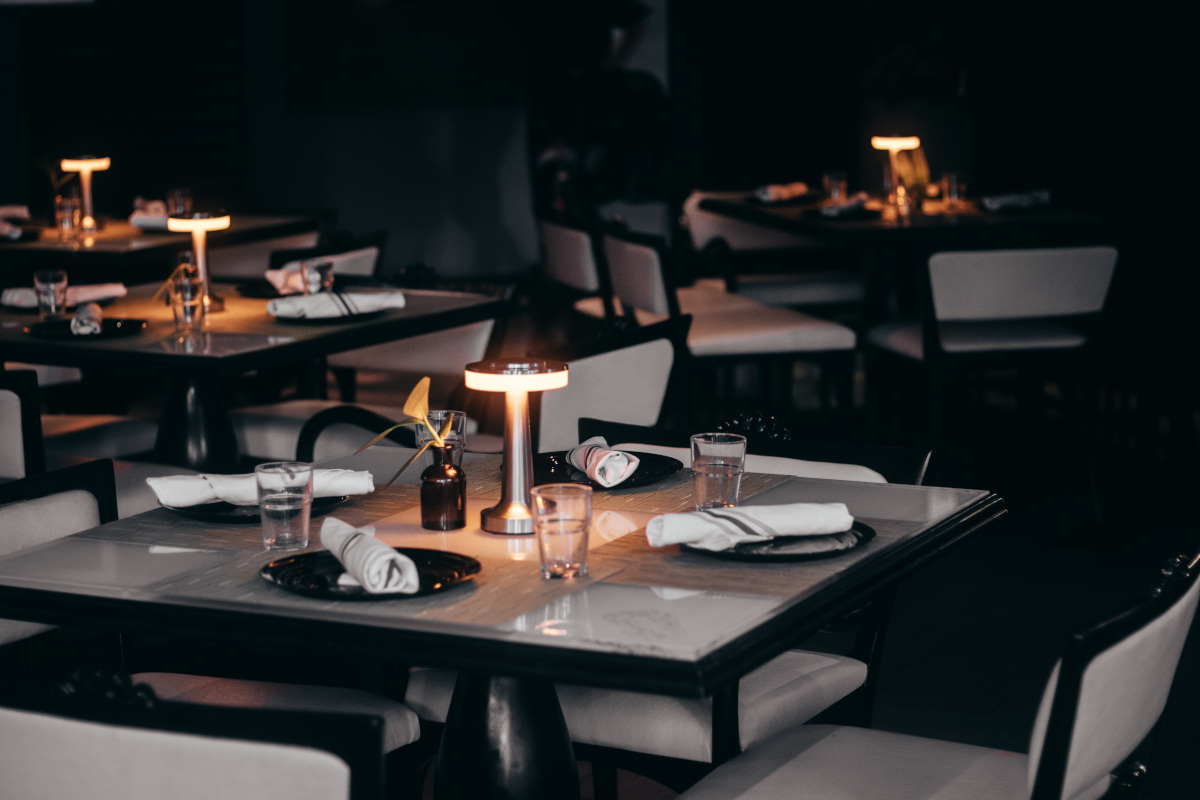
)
(199, 225)
(516, 379)
(893, 145)
(85, 166)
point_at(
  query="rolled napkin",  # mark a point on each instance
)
(328, 305)
(88, 320)
(723, 528)
(180, 491)
(1017, 200)
(7, 229)
(851, 204)
(369, 562)
(26, 297)
(778, 192)
(288, 280)
(606, 467)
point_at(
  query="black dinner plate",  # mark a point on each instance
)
(853, 215)
(109, 329)
(379, 312)
(260, 290)
(316, 574)
(553, 468)
(799, 200)
(247, 515)
(793, 548)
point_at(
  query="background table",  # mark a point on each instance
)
(195, 429)
(647, 619)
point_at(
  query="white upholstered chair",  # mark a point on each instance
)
(55, 504)
(130, 746)
(728, 329)
(570, 262)
(1102, 699)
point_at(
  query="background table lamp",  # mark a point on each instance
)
(516, 379)
(199, 225)
(893, 145)
(85, 166)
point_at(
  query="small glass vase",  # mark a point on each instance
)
(443, 493)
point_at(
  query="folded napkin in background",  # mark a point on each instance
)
(723, 528)
(26, 297)
(606, 467)
(88, 320)
(288, 280)
(181, 491)
(7, 229)
(332, 304)
(848, 206)
(778, 192)
(369, 562)
(1017, 200)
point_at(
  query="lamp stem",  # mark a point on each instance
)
(88, 223)
(200, 246)
(513, 514)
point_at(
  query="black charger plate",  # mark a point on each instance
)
(553, 468)
(247, 515)
(793, 548)
(109, 329)
(316, 574)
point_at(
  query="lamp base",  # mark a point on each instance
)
(509, 518)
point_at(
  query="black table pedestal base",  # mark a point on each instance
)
(195, 430)
(505, 739)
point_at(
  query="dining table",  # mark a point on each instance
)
(662, 620)
(195, 429)
(128, 253)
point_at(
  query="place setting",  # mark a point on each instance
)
(594, 464)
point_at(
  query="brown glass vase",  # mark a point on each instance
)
(443, 493)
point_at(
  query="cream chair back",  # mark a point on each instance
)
(569, 258)
(636, 271)
(1020, 284)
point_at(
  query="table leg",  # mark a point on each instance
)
(195, 430)
(505, 738)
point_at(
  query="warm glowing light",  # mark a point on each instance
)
(531, 376)
(197, 223)
(85, 164)
(895, 143)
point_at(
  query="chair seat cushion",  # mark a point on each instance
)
(765, 329)
(904, 337)
(842, 763)
(97, 435)
(785, 691)
(401, 726)
(591, 306)
(803, 289)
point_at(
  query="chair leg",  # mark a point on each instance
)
(347, 383)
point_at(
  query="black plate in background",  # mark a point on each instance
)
(316, 574)
(247, 515)
(379, 312)
(806, 199)
(109, 329)
(553, 468)
(793, 548)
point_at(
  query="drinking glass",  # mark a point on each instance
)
(66, 217)
(836, 185)
(562, 517)
(954, 190)
(316, 276)
(187, 300)
(718, 460)
(179, 201)
(50, 286)
(456, 438)
(284, 503)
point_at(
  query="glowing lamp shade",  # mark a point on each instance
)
(198, 225)
(516, 379)
(895, 143)
(85, 166)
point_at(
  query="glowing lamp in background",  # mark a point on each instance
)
(516, 379)
(901, 186)
(85, 166)
(199, 225)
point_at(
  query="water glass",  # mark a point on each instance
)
(562, 517)
(179, 201)
(954, 190)
(50, 286)
(284, 503)
(67, 217)
(457, 436)
(718, 460)
(836, 185)
(316, 276)
(187, 300)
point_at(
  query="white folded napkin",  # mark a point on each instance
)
(369, 562)
(87, 320)
(1017, 200)
(333, 304)
(180, 491)
(778, 192)
(287, 280)
(851, 203)
(722, 528)
(606, 467)
(26, 297)
(7, 212)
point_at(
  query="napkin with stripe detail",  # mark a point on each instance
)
(724, 528)
(606, 467)
(369, 562)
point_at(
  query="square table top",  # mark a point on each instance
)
(643, 618)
